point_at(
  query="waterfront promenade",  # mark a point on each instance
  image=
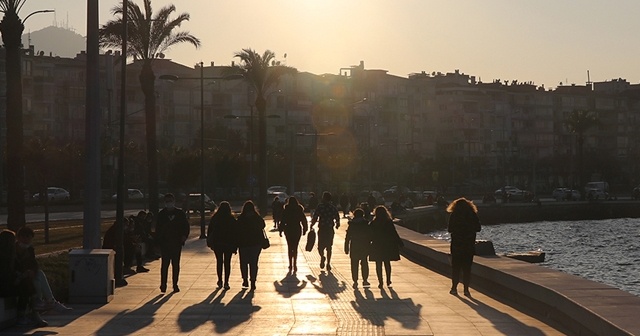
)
(313, 302)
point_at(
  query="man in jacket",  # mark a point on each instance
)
(328, 216)
(172, 230)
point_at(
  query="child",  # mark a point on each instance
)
(357, 242)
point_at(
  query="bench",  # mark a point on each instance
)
(8, 312)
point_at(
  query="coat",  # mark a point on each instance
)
(385, 241)
(358, 239)
(294, 220)
(250, 230)
(172, 227)
(222, 234)
(463, 226)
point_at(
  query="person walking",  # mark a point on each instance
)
(172, 231)
(357, 244)
(294, 225)
(463, 225)
(250, 237)
(221, 238)
(385, 243)
(344, 204)
(276, 210)
(328, 216)
(313, 202)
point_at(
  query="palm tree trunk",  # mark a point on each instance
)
(11, 28)
(147, 81)
(261, 105)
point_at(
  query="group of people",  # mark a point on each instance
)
(22, 277)
(366, 239)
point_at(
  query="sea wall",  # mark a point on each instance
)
(431, 218)
(580, 306)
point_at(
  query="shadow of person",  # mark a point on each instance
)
(290, 285)
(377, 311)
(197, 314)
(237, 311)
(129, 322)
(501, 321)
(329, 285)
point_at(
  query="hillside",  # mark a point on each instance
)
(56, 41)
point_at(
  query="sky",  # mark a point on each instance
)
(546, 42)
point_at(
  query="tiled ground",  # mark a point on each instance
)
(311, 302)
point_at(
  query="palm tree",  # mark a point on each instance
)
(11, 28)
(149, 36)
(262, 72)
(578, 122)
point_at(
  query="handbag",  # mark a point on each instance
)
(265, 240)
(311, 240)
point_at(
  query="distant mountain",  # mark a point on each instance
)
(56, 41)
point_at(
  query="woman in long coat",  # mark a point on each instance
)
(357, 244)
(250, 237)
(385, 243)
(294, 225)
(221, 238)
(463, 225)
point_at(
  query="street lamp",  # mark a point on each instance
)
(174, 78)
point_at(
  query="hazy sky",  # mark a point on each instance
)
(544, 41)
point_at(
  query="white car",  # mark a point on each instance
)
(282, 196)
(131, 194)
(54, 194)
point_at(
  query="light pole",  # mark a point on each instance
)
(203, 234)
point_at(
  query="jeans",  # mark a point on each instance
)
(43, 290)
(364, 264)
(223, 258)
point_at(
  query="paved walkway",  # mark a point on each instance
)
(313, 302)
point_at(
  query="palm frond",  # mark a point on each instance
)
(11, 6)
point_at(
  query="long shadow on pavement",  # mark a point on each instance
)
(501, 321)
(329, 284)
(290, 285)
(377, 311)
(237, 311)
(129, 322)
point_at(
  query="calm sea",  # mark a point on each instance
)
(606, 251)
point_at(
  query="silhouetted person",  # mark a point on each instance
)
(357, 244)
(353, 202)
(313, 203)
(221, 238)
(294, 225)
(344, 204)
(172, 231)
(276, 210)
(463, 225)
(328, 216)
(250, 237)
(372, 201)
(385, 243)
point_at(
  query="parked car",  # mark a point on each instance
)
(282, 196)
(273, 189)
(54, 194)
(364, 195)
(194, 202)
(514, 194)
(559, 194)
(636, 193)
(132, 194)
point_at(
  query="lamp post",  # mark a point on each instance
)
(203, 234)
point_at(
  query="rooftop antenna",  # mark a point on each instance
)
(589, 78)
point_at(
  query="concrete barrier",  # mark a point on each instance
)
(581, 306)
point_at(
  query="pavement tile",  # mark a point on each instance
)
(310, 302)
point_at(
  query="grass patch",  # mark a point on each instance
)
(56, 267)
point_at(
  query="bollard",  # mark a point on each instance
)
(484, 248)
